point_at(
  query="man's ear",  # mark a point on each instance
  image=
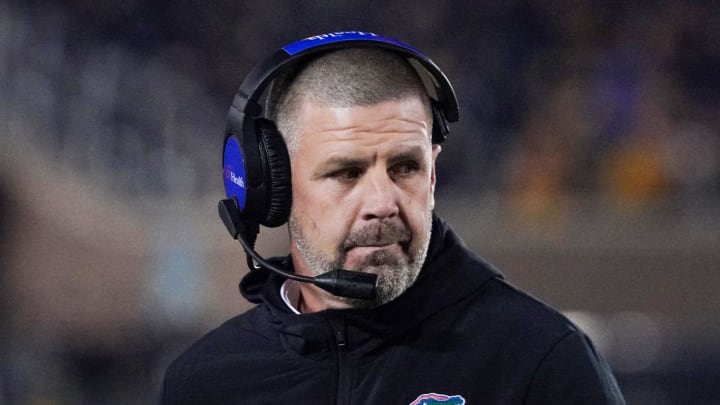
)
(435, 152)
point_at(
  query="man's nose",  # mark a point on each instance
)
(379, 196)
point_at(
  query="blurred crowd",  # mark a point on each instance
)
(614, 98)
(616, 101)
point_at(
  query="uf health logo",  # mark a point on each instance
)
(432, 399)
(230, 175)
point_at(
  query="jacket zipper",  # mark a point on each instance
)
(343, 376)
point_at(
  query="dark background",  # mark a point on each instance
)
(586, 166)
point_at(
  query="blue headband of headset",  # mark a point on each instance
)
(251, 89)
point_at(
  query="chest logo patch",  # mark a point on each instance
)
(433, 399)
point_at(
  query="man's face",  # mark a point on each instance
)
(363, 179)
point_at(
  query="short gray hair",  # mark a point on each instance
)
(342, 78)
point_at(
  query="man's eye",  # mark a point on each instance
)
(346, 174)
(404, 169)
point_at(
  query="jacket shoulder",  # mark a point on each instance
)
(521, 311)
(205, 359)
(565, 363)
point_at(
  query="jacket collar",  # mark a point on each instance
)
(451, 273)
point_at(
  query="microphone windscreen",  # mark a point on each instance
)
(345, 283)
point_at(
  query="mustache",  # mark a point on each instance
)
(378, 234)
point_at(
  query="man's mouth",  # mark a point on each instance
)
(378, 245)
(372, 247)
(387, 238)
(360, 256)
(372, 254)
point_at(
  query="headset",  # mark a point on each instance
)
(256, 164)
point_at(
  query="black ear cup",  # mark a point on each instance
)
(276, 161)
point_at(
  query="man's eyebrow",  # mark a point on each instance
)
(414, 153)
(344, 161)
(339, 162)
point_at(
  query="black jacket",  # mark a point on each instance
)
(460, 332)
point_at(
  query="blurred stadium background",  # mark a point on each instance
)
(586, 166)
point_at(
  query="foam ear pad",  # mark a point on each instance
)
(277, 174)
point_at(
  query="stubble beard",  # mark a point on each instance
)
(395, 273)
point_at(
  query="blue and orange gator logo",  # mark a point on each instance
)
(433, 399)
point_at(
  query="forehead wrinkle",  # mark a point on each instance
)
(345, 119)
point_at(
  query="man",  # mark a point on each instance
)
(361, 127)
